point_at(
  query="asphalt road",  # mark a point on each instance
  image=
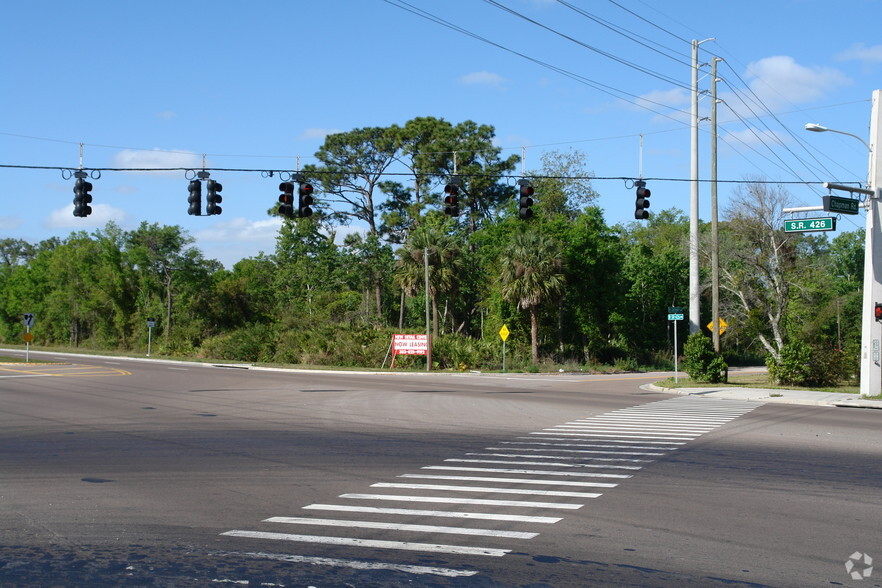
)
(116, 473)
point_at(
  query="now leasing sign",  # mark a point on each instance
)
(410, 344)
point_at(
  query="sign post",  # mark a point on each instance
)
(675, 313)
(28, 322)
(150, 324)
(503, 334)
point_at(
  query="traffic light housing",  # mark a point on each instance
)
(214, 198)
(525, 199)
(877, 310)
(304, 199)
(82, 197)
(286, 199)
(451, 198)
(195, 198)
(642, 202)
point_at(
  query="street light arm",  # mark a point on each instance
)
(814, 127)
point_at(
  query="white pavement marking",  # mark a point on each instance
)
(531, 456)
(545, 463)
(640, 428)
(375, 543)
(595, 452)
(434, 513)
(599, 445)
(485, 489)
(531, 472)
(446, 500)
(514, 480)
(361, 565)
(401, 527)
(606, 440)
(614, 436)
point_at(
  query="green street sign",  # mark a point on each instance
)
(840, 204)
(808, 225)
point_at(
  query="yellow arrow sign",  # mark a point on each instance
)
(723, 325)
(503, 332)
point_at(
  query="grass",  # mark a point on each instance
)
(7, 359)
(759, 380)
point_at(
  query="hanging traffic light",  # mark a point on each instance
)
(195, 198)
(525, 196)
(82, 198)
(304, 197)
(451, 198)
(877, 310)
(642, 203)
(214, 198)
(286, 199)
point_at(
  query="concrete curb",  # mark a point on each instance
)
(804, 397)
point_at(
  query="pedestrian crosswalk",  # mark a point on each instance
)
(522, 485)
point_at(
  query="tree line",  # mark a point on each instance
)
(572, 289)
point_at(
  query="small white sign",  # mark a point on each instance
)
(151, 323)
(29, 319)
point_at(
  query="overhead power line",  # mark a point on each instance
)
(407, 174)
(597, 50)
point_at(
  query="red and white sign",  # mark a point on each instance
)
(410, 344)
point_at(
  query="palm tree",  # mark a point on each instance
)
(530, 272)
(444, 265)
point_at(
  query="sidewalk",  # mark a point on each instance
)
(773, 395)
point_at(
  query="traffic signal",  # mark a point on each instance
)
(195, 198)
(286, 198)
(525, 195)
(878, 312)
(214, 198)
(82, 198)
(642, 203)
(304, 197)
(451, 199)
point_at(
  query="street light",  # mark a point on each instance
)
(871, 329)
(816, 128)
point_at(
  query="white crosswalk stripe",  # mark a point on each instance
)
(597, 452)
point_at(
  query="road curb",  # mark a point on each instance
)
(779, 396)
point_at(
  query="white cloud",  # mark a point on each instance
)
(166, 115)
(63, 218)
(241, 229)
(232, 241)
(860, 52)
(674, 103)
(484, 78)
(780, 81)
(753, 138)
(10, 223)
(157, 159)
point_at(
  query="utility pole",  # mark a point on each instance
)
(694, 277)
(715, 234)
(694, 286)
(871, 329)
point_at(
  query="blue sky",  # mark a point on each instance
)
(257, 85)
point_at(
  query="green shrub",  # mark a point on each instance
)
(803, 365)
(701, 362)
(792, 367)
